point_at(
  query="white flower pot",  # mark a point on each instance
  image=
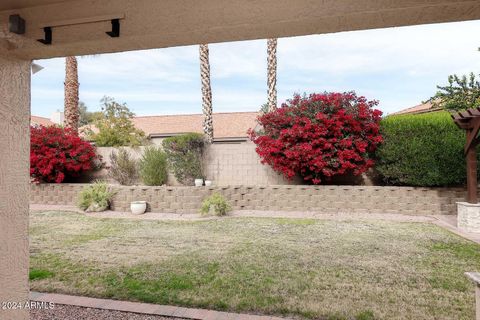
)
(138, 207)
(208, 183)
(198, 182)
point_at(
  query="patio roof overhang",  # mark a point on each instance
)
(79, 26)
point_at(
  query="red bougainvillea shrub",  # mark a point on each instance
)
(319, 136)
(57, 153)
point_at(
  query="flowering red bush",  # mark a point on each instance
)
(57, 153)
(319, 136)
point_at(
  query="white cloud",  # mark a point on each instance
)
(398, 66)
(416, 49)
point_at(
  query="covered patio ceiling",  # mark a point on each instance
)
(146, 24)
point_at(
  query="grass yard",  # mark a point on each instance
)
(292, 267)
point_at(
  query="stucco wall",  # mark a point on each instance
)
(324, 199)
(14, 183)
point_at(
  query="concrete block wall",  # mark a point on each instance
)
(239, 164)
(224, 163)
(56, 194)
(324, 199)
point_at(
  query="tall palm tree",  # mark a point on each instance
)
(272, 73)
(72, 113)
(206, 92)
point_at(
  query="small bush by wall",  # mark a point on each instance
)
(216, 204)
(95, 197)
(123, 167)
(153, 166)
(421, 150)
(185, 154)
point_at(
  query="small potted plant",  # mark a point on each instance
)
(198, 182)
(138, 207)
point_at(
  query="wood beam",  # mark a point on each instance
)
(84, 20)
(472, 134)
(471, 173)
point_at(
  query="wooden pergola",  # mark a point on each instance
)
(469, 120)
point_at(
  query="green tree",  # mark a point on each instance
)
(461, 93)
(115, 127)
(87, 117)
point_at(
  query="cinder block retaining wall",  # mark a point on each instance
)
(327, 199)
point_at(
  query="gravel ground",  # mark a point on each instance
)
(64, 312)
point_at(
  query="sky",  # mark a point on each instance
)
(399, 67)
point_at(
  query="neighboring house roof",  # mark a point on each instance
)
(225, 125)
(421, 108)
(36, 120)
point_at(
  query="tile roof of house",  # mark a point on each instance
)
(36, 120)
(421, 108)
(225, 125)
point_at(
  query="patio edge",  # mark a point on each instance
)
(144, 308)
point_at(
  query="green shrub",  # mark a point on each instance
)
(185, 155)
(96, 197)
(153, 167)
(123, 167)
(422, 150)
(215, 204)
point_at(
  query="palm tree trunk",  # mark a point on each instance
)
(206, 93)
(272, 73)
(71, 94)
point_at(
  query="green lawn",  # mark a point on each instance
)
(292, 267)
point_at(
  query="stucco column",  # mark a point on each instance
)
(14, 183)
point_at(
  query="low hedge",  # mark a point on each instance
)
(421, 150)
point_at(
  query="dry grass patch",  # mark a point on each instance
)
(303, 267)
